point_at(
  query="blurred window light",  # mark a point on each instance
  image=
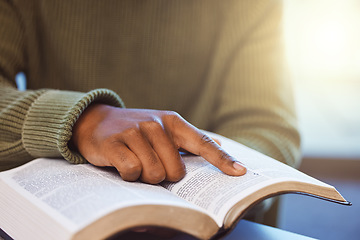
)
(20, 80)
(323, 36)
(327, 42)
(322, 40)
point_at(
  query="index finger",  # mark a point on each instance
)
(193, 140)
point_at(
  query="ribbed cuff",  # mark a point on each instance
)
(48, 124)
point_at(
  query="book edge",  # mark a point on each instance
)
(184, 220)
(238, 211)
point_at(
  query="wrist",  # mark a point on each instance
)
(85, 124)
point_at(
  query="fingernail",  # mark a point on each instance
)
(238, 166)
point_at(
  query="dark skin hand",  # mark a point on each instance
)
(144, 144)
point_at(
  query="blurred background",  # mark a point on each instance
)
(322, 40)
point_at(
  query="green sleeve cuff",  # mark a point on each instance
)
(48, 125)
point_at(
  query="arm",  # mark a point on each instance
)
(35, 123)
(255, 103)
(40, 124)
(31, 125)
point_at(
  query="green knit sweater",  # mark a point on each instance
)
(218, 63)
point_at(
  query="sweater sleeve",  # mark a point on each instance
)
(35, 123)
(255, 101)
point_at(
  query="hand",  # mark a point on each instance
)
(144, 143)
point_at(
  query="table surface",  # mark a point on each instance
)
(244, 230)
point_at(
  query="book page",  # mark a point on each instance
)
(260, 163)
(206, 186)
(76, 195)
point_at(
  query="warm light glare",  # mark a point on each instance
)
(323, 49)
(327, 46)
(328, 40)
(323, 37)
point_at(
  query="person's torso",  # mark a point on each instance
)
(154, 54)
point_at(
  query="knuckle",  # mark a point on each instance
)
(151, 159)
(131, 132)
(132, 167)
(206, 140)
(109, 144)
(172, 120)
(154, 177)
(176, 175)
(131, 171)
(151, 125)
(206, 144)
(128, 177)
(113, 139)
(223, 159)
(170, 113)
(171, 116)
(224, 155)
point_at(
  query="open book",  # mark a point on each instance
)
(52, 199)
